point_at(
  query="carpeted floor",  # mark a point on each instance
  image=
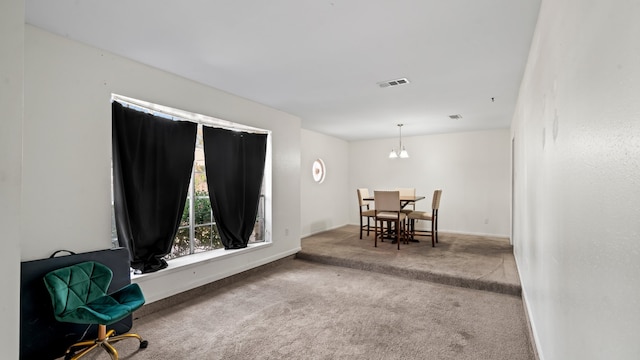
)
(299, 309)
(475, 262)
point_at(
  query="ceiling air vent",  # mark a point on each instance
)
(396, 82)
(455, 117)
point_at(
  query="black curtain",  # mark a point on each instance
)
(152, 162)
(234, 164)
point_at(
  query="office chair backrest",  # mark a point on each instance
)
(77, 285)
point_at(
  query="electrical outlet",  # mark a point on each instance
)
(486, 221)
(286, 232)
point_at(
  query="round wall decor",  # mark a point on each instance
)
(318, 171)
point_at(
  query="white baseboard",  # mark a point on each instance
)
(502, 236)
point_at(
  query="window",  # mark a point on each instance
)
(197, 231)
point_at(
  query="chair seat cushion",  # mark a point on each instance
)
(383, 215)
(369, 213)
(107, 309)
(420, 215)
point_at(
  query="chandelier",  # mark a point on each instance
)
(402, 152)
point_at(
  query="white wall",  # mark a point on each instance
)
(324, 206)
(67, 152)
(577, 180)
(471, 168)
(11, 78)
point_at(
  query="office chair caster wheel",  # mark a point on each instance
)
(144, 344)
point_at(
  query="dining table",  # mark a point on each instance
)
(404, 201)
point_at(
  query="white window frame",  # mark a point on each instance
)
(264, 213)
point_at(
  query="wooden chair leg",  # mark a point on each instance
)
(405, 233)
(361, 227)
(375, 233)
(383, 231)
(398, 233)
(412, 227)
(433, 234)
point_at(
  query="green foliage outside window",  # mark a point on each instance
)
(206, 232)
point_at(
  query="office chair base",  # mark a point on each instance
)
(104, 341)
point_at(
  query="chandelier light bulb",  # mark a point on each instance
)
(402, 152)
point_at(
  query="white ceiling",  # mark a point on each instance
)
(321, 59)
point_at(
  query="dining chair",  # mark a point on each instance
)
(365, 212)
(387, 209)
(424, 215)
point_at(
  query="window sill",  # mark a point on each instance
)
(185, 262)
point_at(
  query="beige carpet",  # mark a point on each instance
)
(475, 262)
(299, 309)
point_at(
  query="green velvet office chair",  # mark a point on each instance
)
(78, 295)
